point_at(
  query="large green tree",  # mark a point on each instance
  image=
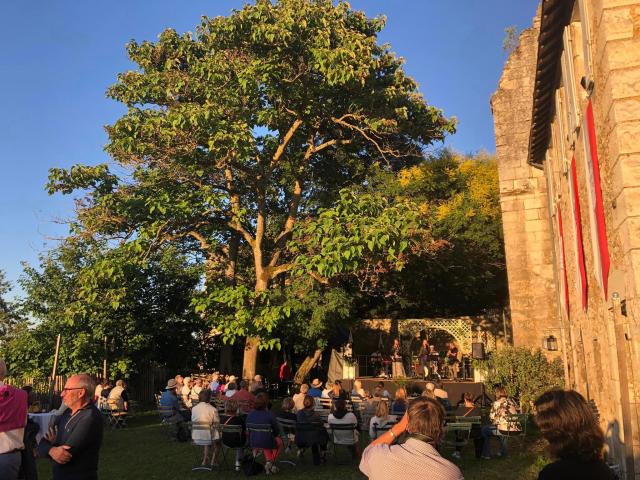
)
(237, 132)
(10, 319)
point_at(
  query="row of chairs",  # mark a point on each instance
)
(113, 416)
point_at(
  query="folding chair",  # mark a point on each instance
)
(230, 430)
(118, 417)
(343, 436)
(203, 427)
(287, 428)
(472, 420)
(456, 436)
(380, 429)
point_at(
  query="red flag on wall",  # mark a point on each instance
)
(577, 218)
(599, 242)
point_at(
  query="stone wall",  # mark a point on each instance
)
(523, 198)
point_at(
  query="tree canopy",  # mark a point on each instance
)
(241, 130)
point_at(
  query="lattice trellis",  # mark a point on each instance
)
(461, 329)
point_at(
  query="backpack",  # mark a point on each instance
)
(250, 466)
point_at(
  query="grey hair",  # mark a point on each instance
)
(88, 383)
(3, 370)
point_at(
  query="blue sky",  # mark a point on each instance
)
(59, 56)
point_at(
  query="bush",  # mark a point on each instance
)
(524, 373)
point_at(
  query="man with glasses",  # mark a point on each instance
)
(73, 443)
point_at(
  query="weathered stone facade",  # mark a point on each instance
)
(600, 338)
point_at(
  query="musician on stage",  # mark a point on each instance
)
(423, 354)
(397, 368)
(452, 360)
(376, 363)
(434, 361)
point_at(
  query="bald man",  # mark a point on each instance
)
(73, 443)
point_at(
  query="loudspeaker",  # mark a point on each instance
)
(477, 350)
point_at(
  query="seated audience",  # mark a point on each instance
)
(310, 431)
(269, 443)
(383, 391)
(230, 439)
(186, 392)
(576, 441)
(230, 390)
(203, 413)
(417, 458)
(195, 391)
(171, 411)
(380, 419)
(502, 407)
(257, 385)
(315, 391)
(286, 413)
(244, 397)
(328, 388)
(118, 397)
(341, 416)
(214, 386)
(467, 408)
(298, 398)
(399, 405)
(357, 390)
(337, 392)
(441, 394)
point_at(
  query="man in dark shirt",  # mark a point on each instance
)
(73, 443)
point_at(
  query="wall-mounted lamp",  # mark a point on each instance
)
(550, 343)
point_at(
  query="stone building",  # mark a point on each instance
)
(567, 125)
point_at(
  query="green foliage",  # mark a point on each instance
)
(10, 319)
(86, 292)
(241, 130)
(524, 373)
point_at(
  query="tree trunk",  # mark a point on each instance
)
(251, 344)
(306, 367)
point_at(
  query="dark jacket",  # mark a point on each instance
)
(82, 431)
(262, 439)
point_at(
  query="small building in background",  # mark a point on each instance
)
(567, 125)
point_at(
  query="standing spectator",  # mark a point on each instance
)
(285, 371)
(380, 419)
(73, 443)
(233, 440)
(203, 413)
(399, 405)
(341, 416)
(315, 391)
(269, 443)
(118, 397)
(13, 419)
(500, 411)
(575, 439)
(418, 457)
(244, 397)
(298, 398)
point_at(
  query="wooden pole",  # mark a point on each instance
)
(104, 364)
(55, 370)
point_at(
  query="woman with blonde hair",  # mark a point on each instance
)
(399, 405)
(357, 390)
(380, 419)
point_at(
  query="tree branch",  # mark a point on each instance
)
(285, 141)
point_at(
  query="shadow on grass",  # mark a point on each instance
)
(143, 451)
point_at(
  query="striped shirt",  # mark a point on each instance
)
(412, 460)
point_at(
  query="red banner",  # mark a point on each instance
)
(564, 297)
(577, 218)
(598, 228)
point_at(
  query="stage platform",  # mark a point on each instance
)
(455, 389)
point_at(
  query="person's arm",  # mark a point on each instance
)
(390, 436)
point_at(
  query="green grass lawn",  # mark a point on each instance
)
(143, 451)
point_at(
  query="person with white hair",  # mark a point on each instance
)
(118, 397)
(13, 419)
(74, 442)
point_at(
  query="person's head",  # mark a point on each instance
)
(204, 396)
(231, 407)
(357, 385)
(316, 383)
(430, 386)
(425, 342)
(304, 388)
(179, 379)
(382, 410)
(380, 385)
(336, 389)
(287, 404)
(257, 379)
(377, 392)
(187, 381)
(308, 402)
(401, 394)
(340, 406)
(396, 342)
(215, 377)
(467, 398)
(78, 391)
(3, 370)
(198, 382)
(567, 422)
(119, 383)
(426, 419)
(244, 385)
(432, 348)
(500, 393)
(261, 401)
(429, 394)
(328, 386)
(232, 386)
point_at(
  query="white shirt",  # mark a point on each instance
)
(344, 437)
(204, 412)
(413, 460)
(381, 422)
(230, 393)
(298, 400)
(186, 393)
